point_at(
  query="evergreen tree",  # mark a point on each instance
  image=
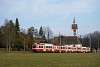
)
(17, 35)
(41, 32)
(17, 28)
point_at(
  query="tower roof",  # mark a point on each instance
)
(74, 20)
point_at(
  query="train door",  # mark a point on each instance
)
(44, 48)
(74, 49)
(53, 48)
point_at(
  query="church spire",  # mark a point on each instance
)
(74, 20)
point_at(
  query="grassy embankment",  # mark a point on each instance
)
(28, 59)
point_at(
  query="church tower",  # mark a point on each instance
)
(74, 28)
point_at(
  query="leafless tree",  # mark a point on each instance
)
(49, 33)
(9, 34)
(24, 37)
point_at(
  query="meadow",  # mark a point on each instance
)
(29, 59)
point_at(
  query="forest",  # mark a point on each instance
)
(12, 37)
(91, 40)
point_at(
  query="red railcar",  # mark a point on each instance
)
(44, 47)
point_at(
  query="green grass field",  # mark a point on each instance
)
(28, 59)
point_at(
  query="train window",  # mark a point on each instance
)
(79, 48)
(48, 46)
(69, 48)
(87, 48)
(40, 46)
(63, 47)
(74, 48)
(84, 48)
(57, 47)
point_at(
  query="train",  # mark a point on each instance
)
(55, 48)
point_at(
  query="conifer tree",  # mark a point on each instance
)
(17, 28)
(41, 32)
(17, 35)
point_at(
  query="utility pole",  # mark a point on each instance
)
(60, 42)
(98, 43)
(90, 41)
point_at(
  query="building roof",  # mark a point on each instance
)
(66, 40)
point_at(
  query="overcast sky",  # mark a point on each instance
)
(58, 14)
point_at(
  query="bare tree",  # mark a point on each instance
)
(36, 34)
(9, 34)
(24, 37)
(49, 33)
(30, 36)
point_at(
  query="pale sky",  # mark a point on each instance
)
(58, 14)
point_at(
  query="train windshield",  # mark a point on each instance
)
(34, 46)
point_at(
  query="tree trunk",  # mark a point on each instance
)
(9, 46)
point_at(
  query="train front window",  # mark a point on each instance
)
(34, 46)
